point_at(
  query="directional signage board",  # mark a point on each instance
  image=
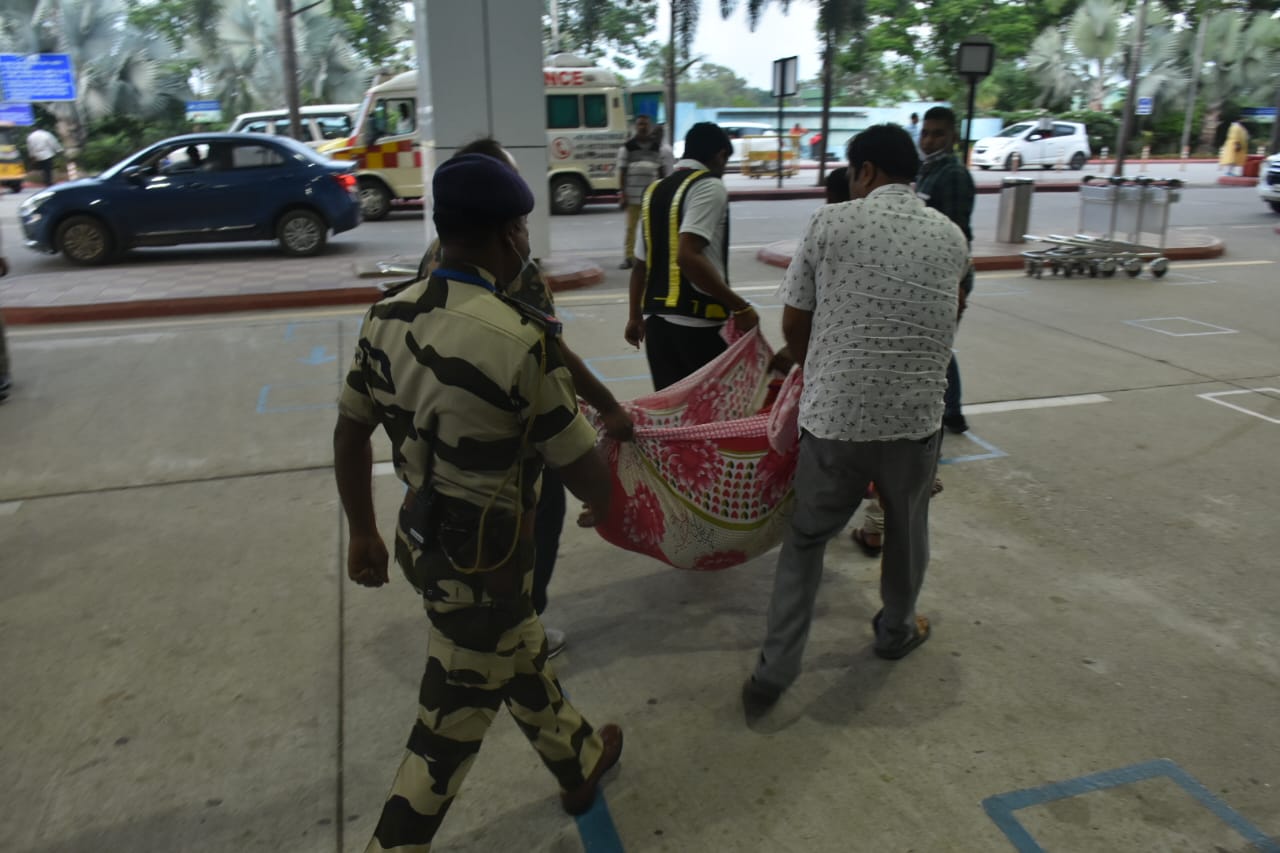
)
(1144, 106)
(784, 77)
(204, 111)
(37, 77)
(19, 114)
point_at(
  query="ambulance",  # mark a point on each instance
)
(588, 119)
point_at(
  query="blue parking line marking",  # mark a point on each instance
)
(596, 829)
(993, 452)
(565, 315)
(1000, 808)
(264, 397)
(288, 331)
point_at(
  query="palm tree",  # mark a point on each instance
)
(1242, 58)
(1095, 34)
(117, 68)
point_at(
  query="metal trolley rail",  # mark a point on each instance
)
(1109, 207)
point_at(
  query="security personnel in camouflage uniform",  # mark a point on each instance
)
(473, 394)
(531, 288)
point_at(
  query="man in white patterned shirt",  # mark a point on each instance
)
(872, 297)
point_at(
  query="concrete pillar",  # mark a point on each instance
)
(480, 74)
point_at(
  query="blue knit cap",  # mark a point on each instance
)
(475, 189)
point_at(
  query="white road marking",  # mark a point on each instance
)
(1214, 330)
(10, 507)
(1214, 396)
(1037, 403)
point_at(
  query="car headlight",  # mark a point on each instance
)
(33, 204)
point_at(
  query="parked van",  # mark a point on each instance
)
(12, 169)
(320, 123)
(1043, 142)
(588, 114)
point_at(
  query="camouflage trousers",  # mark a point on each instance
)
(462, 689)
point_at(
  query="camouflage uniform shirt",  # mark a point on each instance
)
(488, 374)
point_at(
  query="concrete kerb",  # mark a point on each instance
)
(779, 254)
(561, 274)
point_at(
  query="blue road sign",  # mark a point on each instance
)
(204, 111)
(21, 114)
(1144, 106)
(37, 77)
(1259, 112)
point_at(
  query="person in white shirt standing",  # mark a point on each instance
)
(680, 295)
(42, 147)
(872, 297)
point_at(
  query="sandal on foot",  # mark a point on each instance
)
(902, 650)
(860, 539)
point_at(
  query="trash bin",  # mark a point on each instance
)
(1253, 165)
(1014, 214)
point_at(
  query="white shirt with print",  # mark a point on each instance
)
(880, 276)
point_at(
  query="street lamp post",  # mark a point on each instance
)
(974, 59)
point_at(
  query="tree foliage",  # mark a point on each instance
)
(614, 30)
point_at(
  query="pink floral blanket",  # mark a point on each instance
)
(702, 486)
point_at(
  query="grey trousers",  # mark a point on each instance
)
(831, 478)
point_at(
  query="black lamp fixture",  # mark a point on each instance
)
(974, 59)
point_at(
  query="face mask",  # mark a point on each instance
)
(526, 261)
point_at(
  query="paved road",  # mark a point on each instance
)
(596, 233)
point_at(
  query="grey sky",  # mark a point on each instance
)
(751, 54)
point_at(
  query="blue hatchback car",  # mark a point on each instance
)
(198, 188)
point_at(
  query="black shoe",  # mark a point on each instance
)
(4, 388)
(627, 264)
(955, 423)
(758, 698)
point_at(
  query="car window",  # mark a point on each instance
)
(595, 110)
(562, 112)
(256, 127)
(1064, 130)
(1016, 130)
(391, 117)
(182, 158)
(334, 127)
(254, 157)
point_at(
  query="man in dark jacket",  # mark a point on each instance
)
(946, 186)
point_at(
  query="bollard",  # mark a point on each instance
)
(1106, 152)
(73, 174)
(1146, 155)
(1186, 154)
(1017, 161)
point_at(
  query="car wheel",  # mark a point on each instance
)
(375, 199)
(1077, 161)
(567, 195)
(84, 240)
(301, 233)
(1275, 205)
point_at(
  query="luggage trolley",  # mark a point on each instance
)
(1110, 206)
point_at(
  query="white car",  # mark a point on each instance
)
(1035, 143)
(321, 123)
(737, 132)
(1269, 181)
